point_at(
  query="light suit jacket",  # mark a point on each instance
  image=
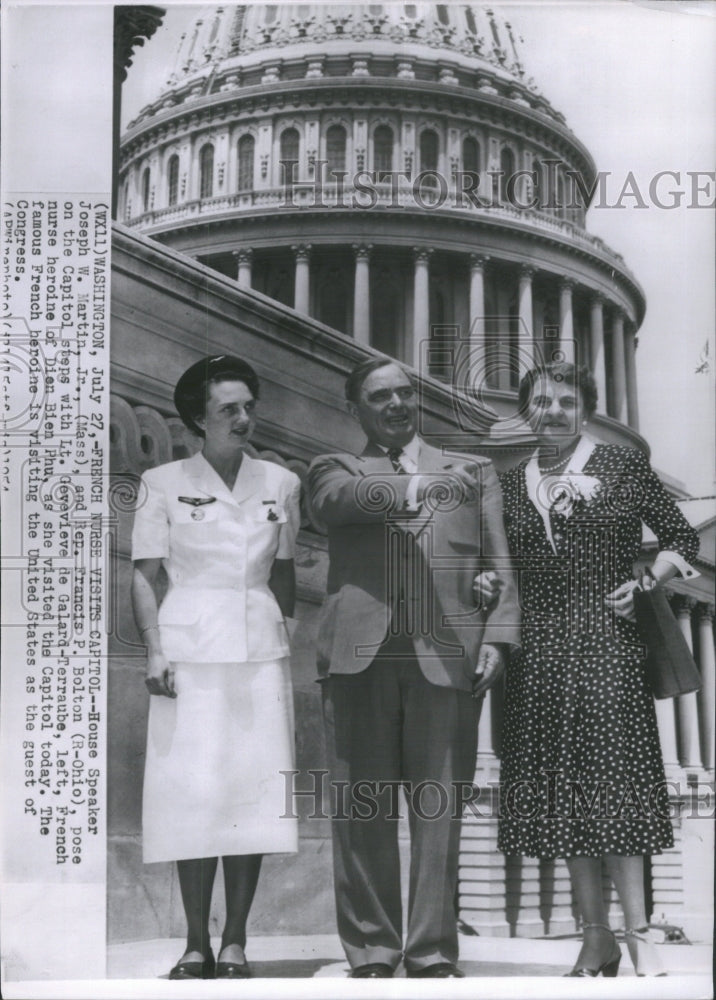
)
(379, 554)
(218, 556)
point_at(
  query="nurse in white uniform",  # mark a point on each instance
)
(223, 525)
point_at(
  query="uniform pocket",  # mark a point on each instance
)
(269, 513)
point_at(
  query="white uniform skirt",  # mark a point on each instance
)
(212, 780)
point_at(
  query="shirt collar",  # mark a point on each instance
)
(411, 450)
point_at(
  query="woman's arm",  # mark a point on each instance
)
(282, 583)
(160, 675)
(678, 541)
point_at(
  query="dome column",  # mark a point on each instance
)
(596, 338)
(632, 399)
(303, 278)
(361, 294)
(707, 665)
(526, 320)
(619, 367)
(686, 705)
(477, 317)
(243, 267)
(421, 303)
(666, 724)
(566, 320)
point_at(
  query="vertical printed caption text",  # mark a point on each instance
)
(55, 386)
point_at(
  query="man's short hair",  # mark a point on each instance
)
(354, 382)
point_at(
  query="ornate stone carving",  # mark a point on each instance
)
(132, 27)
(362, 250)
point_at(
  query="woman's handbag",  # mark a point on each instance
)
(670, 667)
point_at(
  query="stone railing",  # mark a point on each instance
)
(307, 194)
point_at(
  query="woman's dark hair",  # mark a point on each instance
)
(578, 376)
(192, 389)
(354, 382)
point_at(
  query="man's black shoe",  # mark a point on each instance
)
(375, 970)
(441, 970)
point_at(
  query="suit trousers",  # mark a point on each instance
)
(388, 727)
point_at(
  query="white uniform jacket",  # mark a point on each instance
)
(218, 546)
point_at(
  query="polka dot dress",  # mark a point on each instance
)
(582, 772)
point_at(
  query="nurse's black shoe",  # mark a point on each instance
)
(195, 970)
(232, 969)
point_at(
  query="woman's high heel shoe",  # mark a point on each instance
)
(642, 951)
(609, 968)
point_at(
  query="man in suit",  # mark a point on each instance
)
(404, 653)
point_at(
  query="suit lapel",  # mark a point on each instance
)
(372, 459)
(432, 459)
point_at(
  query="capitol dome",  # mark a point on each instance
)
(391, 171)
(229, 47)
(312, 184)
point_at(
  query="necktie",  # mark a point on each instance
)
(394, 456)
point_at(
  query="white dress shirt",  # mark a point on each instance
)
(409, 459)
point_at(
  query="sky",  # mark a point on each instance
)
(635, 83)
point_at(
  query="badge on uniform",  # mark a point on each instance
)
(197, 503)
(271, 514)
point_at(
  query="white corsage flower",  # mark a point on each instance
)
(562, 493)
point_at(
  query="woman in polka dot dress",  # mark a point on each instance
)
(582, 773)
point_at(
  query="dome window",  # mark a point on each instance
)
(383, 152)
(507, 178)
(471, 157)
(173, 180)
(443, 13)
(289, 153)
(336, 151)
(410, 11)
(206, 171)
(562, 209)
(470, 19)
(429, 147)
(145, 189)
(271, 12)
(540, 176)
(246, 163)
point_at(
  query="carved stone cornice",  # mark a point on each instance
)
(132, 27)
